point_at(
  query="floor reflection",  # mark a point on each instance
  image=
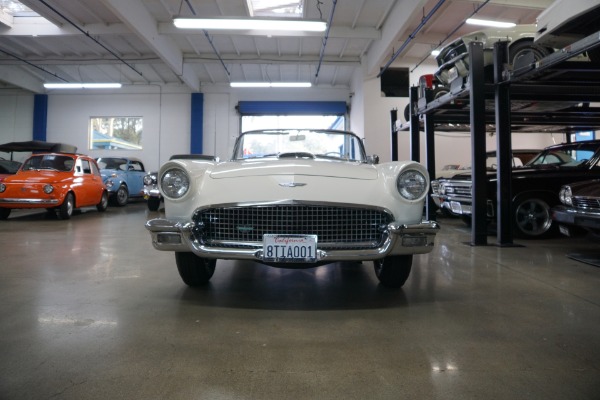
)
(338, 286)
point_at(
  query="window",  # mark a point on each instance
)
(116, 133)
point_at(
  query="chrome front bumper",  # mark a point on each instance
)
(582, 218)
(168, 235)
(151, 191)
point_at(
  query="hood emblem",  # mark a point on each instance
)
(292, 184)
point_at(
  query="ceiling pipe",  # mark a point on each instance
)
(89, 36)
(216, 52)
(322, 54)
(33, 65)
(453, 32)
(411, 36)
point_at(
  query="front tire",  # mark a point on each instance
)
(194, 270)
(4, 213)
(393, 271)
(121, 197)
(153, 203)
(533, 219)
(524, 48)
(66, 208)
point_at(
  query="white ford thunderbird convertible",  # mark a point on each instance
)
(294, 199)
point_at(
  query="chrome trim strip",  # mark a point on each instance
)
(29, 201)
(293, 202)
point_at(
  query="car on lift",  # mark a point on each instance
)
(453, 59)
(294, 199)
(123, 177)
(58, 182)
(535, 187)
(565, 22)
(580, 208)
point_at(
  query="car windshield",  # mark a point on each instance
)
(51, 162)
(335, 145)
(568, 155)
(112, 163)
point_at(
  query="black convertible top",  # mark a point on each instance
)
(37, 145)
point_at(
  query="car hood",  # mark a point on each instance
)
(300, 167)
(543, 170)
(109, 172)
(35, 176)
(589, 188)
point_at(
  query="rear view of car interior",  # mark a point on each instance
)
(300, 199)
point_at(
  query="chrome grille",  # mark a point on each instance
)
(335, 227)
(586, 202)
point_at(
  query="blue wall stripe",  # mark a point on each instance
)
(197, 131)
(40, 116)
(292, 107)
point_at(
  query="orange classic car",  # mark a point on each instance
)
(55, 181)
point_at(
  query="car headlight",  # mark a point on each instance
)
(149, 180)
(442, 189)
(48, 189)
(175, 183)
(2, 187)
(109, 183)
(411, 184)
(566, 196)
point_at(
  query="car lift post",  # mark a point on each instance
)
(478, 145)
(394, 145)
(504, 235)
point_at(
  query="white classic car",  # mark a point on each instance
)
(294, 199)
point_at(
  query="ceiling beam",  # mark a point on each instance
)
(402, 14)
(137, 17)
(18, 77)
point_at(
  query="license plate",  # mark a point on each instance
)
(290, 248)
(456, 207)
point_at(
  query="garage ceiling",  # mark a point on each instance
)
(134, 42)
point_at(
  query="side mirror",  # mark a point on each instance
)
(374, 159)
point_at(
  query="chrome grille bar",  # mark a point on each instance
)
(586, 202)
(336, 227)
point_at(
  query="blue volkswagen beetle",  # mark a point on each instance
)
(123, 177)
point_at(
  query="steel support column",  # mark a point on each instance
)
(430, 208)
(394, 144)
(504, 235)
(478, 145)
(415, 132)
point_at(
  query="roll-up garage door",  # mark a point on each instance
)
(292, 108)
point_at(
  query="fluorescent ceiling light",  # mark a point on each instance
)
(250, 24)
(270, 84)
(82, 85)
(485, 22)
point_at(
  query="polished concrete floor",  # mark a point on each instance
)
(89, 310)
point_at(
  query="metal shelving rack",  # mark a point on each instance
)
(482, 107)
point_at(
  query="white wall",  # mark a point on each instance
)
(16, 120)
